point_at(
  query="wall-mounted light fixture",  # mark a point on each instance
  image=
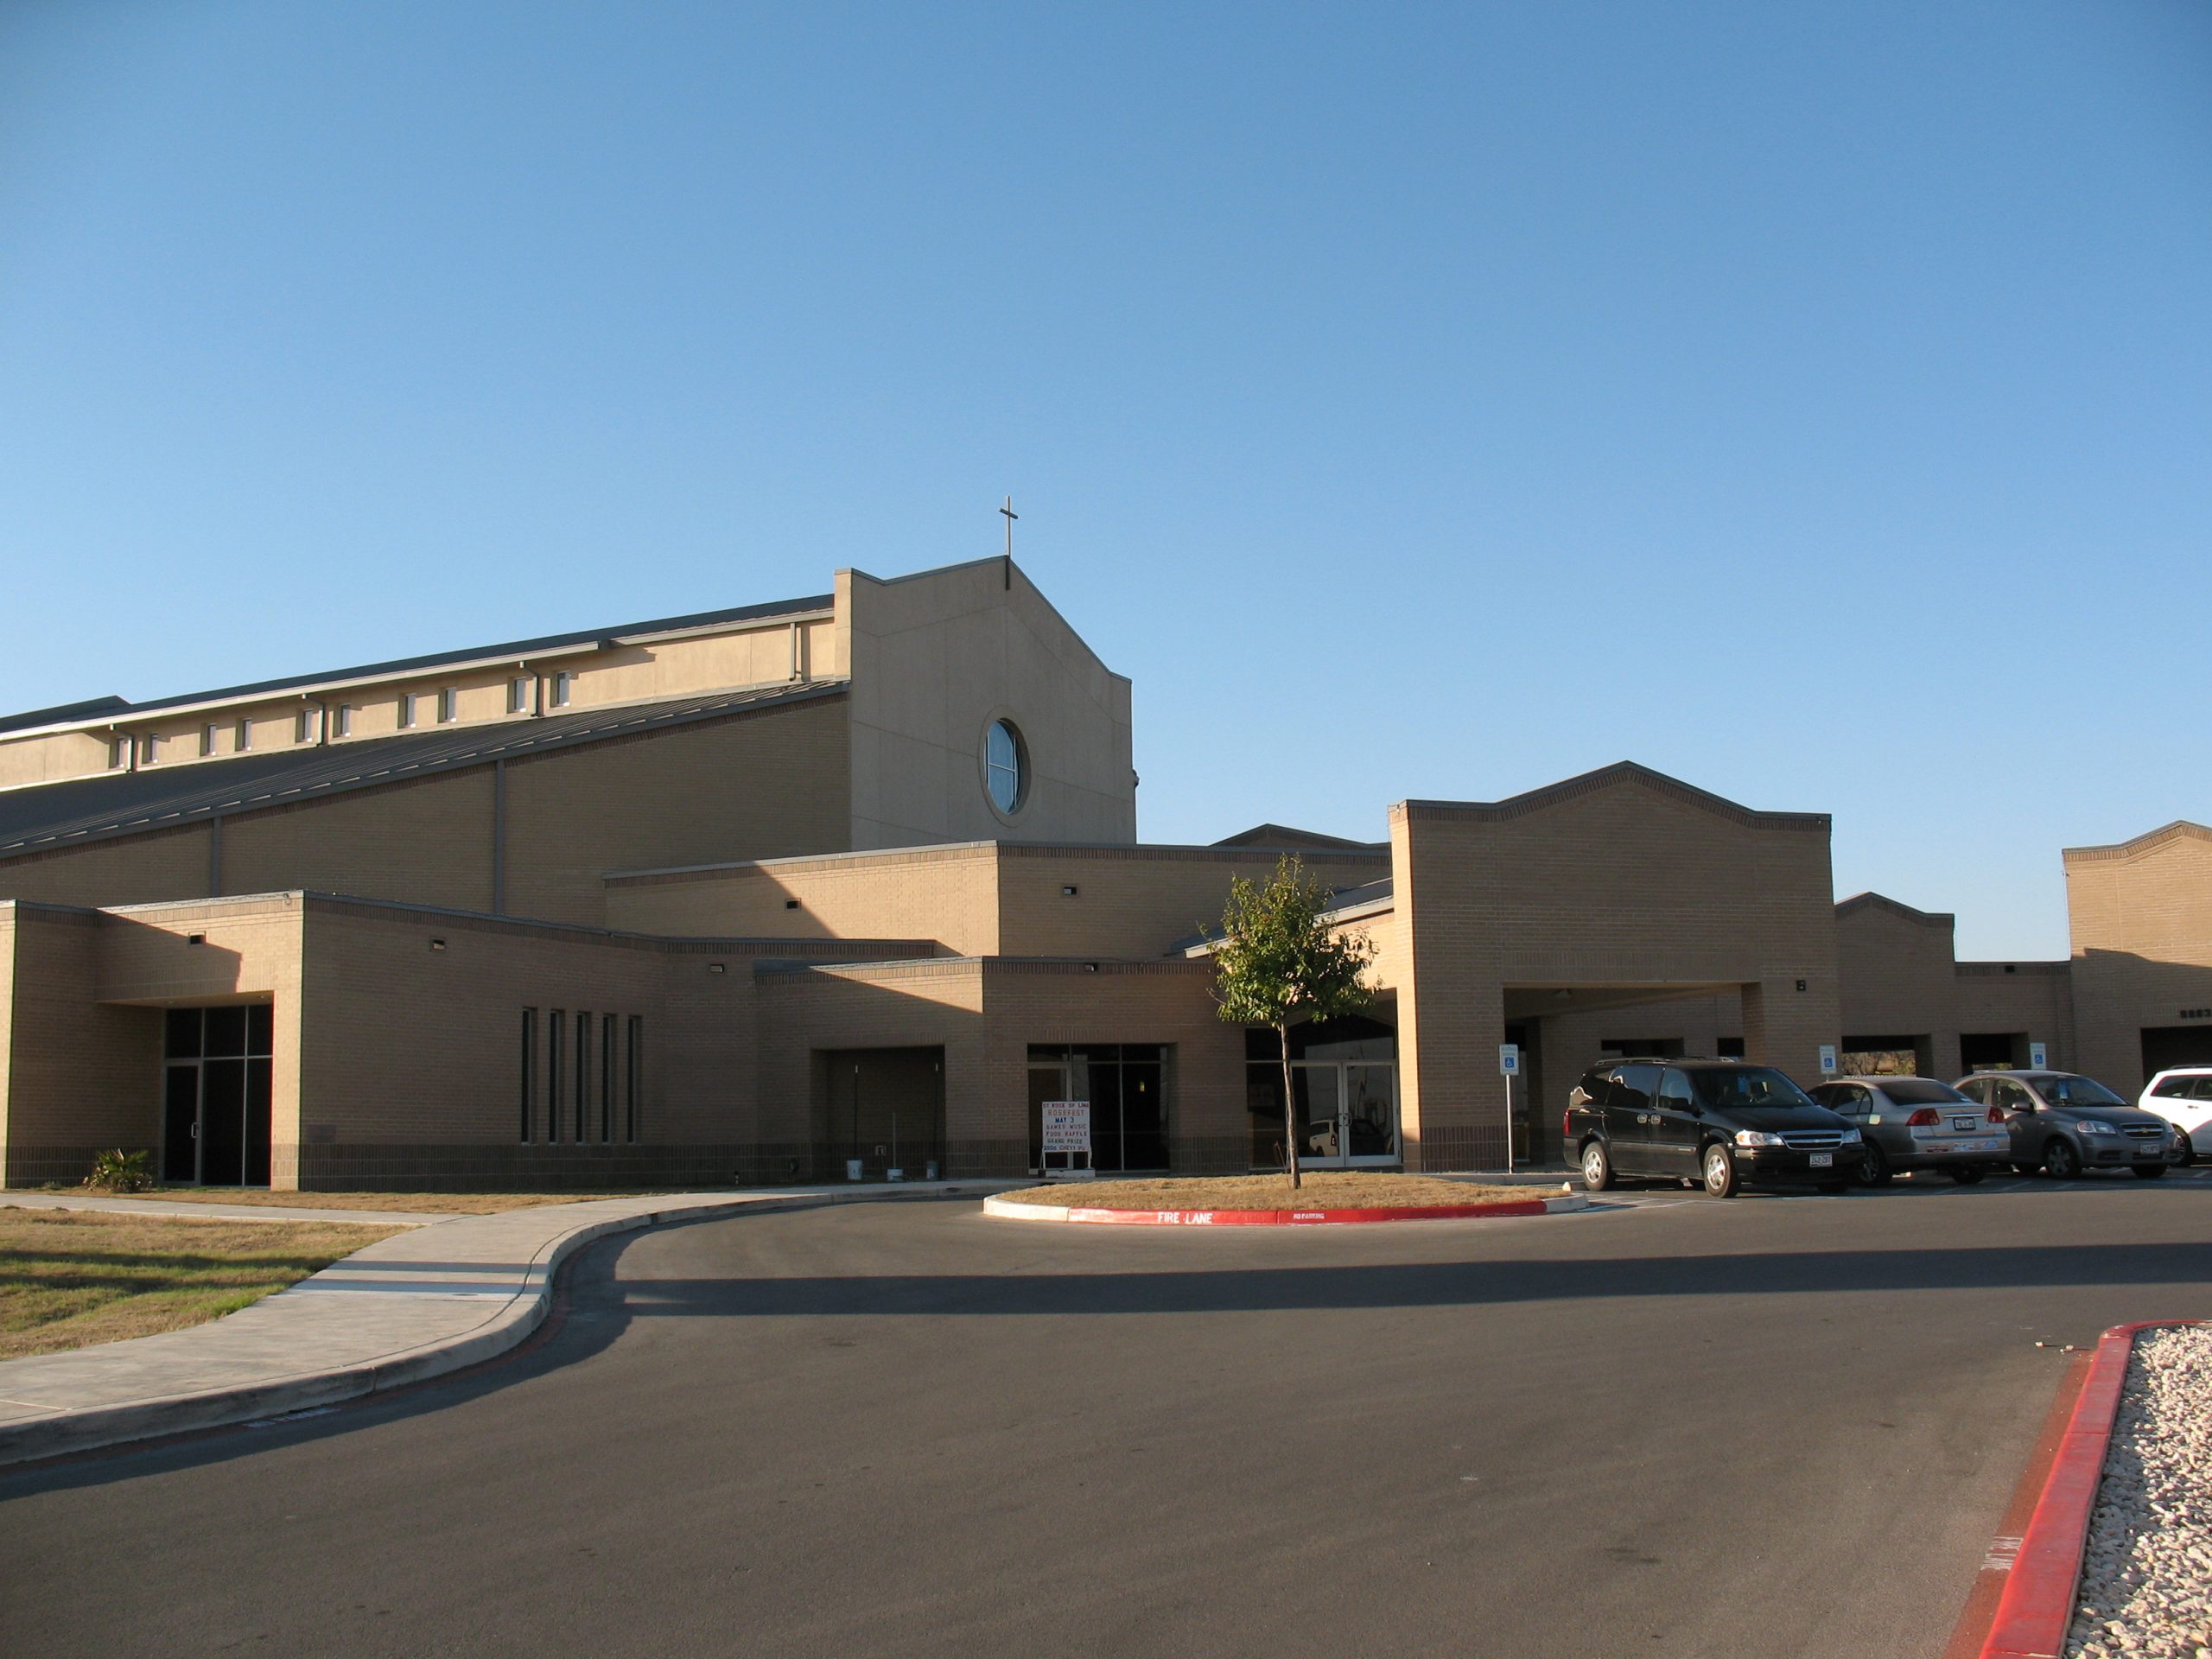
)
(790, 904)
(1089, 967)
(1801, 984)
(437, 944)
(195, 938)
(1067, 892)
(717, 968)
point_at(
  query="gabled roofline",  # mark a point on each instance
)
(1589, 783)
(2179, 830)
(1282, 837)
(114, 711)
(1858, 901)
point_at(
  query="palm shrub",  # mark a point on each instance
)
(118, 1171)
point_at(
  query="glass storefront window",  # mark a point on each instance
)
(1127, 1086)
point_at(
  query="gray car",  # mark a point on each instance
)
(1919, 1123)
(2065, 1123)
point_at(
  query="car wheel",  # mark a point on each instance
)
(2149, 1172)
(1720, 1171)
(1967, 1174)
(1596, 1167)
(2060, 1160)
(1873, 1167)
(2184, 1148)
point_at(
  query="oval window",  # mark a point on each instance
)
(1006, 765)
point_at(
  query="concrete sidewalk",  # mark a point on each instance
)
(448, 1293)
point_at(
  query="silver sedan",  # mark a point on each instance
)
(1919, 1123)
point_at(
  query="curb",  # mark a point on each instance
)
(2037, 1603)
(1007, 1210)
(93, 1428)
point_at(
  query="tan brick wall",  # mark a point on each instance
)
(975, 899)
(985, 1016)
(1135, 902)
(762, 785)
(2140, 914)
(130, 870)
(947, 894)
(81, 1076)
(1623, 880)
(935, 658)
(427, 842)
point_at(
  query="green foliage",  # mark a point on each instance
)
(120, 1172)
(1278, 963)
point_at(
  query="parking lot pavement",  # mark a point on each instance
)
(1675, 1426)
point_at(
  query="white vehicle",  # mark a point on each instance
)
(2183, 1096)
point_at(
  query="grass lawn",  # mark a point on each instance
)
(432, 1204)
(72, 1278)
(1323, 1189)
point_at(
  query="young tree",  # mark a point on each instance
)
(1279, 964)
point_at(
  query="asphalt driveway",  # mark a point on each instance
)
(1765, 1428)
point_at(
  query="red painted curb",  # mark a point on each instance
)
(1301, 1217)
(2038, 1601)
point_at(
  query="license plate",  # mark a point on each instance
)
(1821, 1159)
(1964, 1122)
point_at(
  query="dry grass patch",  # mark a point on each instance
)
(1323, 1189)
(426, 1204)
(71, 1278)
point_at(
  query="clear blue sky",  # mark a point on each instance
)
(1815, 402)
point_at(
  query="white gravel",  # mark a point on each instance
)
(2147, 1576)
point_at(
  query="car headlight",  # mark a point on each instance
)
(2090, 1126)
(1850, 1138)
(1757, 1138)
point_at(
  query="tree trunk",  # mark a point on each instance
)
(1289, 1112)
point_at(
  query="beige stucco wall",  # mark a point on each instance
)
(934, 659)
(945, 894)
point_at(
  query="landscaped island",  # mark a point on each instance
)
(1355, 1189)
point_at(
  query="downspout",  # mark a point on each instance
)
(499, 837)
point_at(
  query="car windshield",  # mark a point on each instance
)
(1921, 1091)
(2076, 1091)
(1737, 1090)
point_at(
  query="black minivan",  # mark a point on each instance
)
(1716, 1122)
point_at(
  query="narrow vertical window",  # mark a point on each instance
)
(637, 1075)
(344, 720)
(207, 739)
(528, 1071)
(149, 749)
(553, 1024)
(448, 706)
(518, 696)
(406, 709)
(303, 726)
(562, 682)
(118, 754)
(583, 1075)
(244, 740)
(605, 1077)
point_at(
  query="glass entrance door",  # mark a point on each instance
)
(216, 1095)
(1348, 1113)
